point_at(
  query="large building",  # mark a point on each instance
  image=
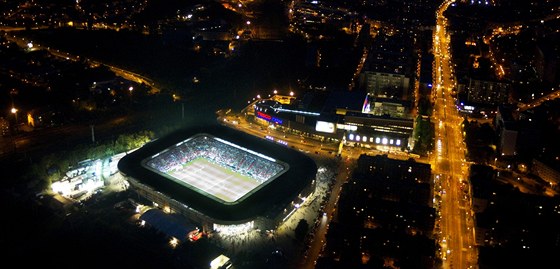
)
(386, 85)
(548, 169)
(485, 91)
(221, 178)
(356, 118)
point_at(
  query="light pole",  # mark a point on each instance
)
(14, 111)
(130, 89)
(92, 133)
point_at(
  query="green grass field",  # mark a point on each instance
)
(214, 180)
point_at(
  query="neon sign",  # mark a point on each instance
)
(264, 116)
(268, 117)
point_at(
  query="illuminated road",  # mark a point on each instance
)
(319, 240)
(314, 148)
(457, 238)
(539, 101)
(126, 74)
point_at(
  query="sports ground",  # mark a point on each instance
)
(212, 179)
(229, 178)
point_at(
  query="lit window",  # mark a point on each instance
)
(358, 138)
(351, 136)
(398, 142)
(377, 140)
(364, 139)
(391, 141)
(384, 141)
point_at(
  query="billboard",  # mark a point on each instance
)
(325, 127)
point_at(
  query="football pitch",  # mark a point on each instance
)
(214, 180)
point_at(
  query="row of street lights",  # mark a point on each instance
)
(275, 92)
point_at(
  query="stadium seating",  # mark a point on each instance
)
(222, 154)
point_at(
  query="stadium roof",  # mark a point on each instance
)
(283, 189)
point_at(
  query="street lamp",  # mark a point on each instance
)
(291, 93)
(14, 111)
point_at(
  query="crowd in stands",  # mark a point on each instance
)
(222, 154)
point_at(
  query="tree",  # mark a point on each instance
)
(424, 107)
(424, 133)
(52, 167)
(301, 229)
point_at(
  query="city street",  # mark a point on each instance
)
(457, 239)
(318, 150)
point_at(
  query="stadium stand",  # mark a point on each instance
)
(227, 156)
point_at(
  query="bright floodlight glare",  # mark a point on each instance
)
(218, 262)
(173, 242)
(60, 187)
(14, 110)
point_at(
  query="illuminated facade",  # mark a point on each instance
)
(358, 120)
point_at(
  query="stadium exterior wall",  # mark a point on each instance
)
(270, 221)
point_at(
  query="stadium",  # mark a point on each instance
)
(221, 178)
